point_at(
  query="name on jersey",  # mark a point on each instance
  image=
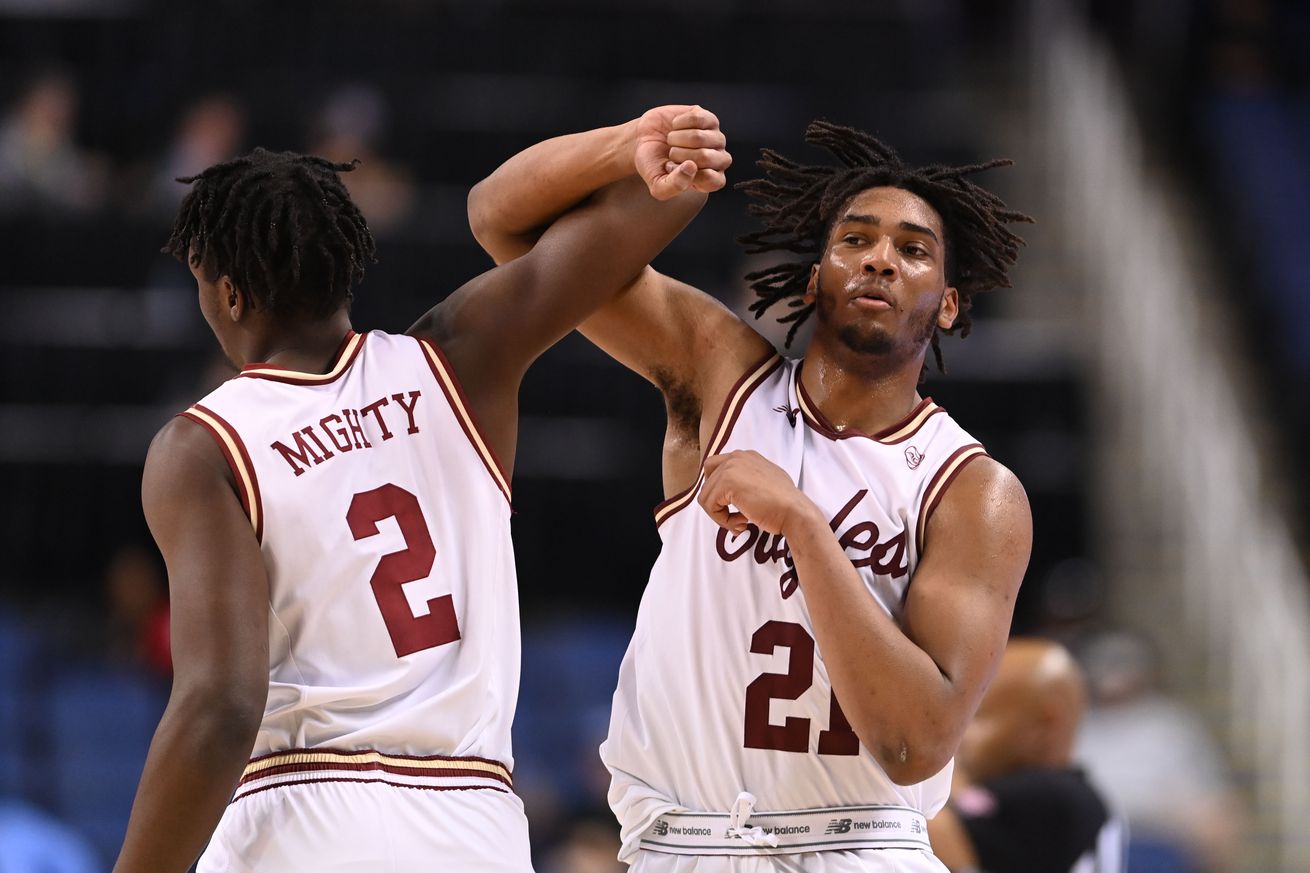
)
(885, 557)
(344, 431)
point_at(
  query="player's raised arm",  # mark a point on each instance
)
(676, 336)
(218, 591)
(670, 147)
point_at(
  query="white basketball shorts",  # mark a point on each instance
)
(354, 827)
(838, 861)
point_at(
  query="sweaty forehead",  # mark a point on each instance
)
(892, 206)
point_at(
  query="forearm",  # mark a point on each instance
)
(195, 760)
(892, 692)
(508, 209)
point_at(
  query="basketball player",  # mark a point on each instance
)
(812, 644)
(1018, 805)
(335, 520)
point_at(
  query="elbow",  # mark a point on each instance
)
(227, 716)
(479, 208)
(908, 761)
(913, 768)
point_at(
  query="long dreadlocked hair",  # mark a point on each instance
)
(799, 204)
(281, 225)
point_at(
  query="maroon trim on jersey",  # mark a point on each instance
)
(328, 750)
(459, 405)
(373, 766)
(342, 360)
(973, 450)
(815, 418)
(246, 481)
(372, 782)
(728, 415)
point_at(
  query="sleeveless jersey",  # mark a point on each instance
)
(722, 689)
(383, 519)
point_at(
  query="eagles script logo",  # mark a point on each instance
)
(913, 457)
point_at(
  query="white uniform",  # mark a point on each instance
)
(383, 518)
(722, 690)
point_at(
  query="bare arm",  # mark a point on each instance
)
(219, 602)
(932, 670)
(671, 147)
(675, 336)
(494, 326)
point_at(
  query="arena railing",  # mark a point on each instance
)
(1194, 533)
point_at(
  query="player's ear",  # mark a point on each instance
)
(949, 309)
(812, 287)
(232, 297)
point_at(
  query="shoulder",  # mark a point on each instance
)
(183, 453)
(982, 490)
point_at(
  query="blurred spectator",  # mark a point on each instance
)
(42, 169)
(1157, 763)
(138, 619)
(1018, 805)
(212, 130)
(352, 125)
(34, 842)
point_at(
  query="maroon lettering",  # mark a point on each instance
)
(304, 453)
(764, 548)
(356, 429)
(409, 408)
(889, 557)
(327, 453)
(721, 544)
(770, 547)
(345, 433)
(846, 510)
(338, 436)
(373, 409)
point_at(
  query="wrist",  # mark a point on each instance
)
(803, 519)
(621, 155)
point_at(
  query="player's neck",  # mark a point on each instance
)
(866, 393)
(306, 346)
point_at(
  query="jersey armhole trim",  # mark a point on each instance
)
(940, 481)
(238, 459)
(745, 386)
(450, 386)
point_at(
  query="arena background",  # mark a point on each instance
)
(1145, 376)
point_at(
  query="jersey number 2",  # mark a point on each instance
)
(793, 735)
(409, 633)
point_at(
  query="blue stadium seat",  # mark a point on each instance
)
(101, 722)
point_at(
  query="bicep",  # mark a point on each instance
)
(672, 333)
(503, 319)
(218, 585)
(961, 600)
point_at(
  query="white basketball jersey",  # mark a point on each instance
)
(384, 521)
(722, 689)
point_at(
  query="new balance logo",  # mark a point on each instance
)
(789, 412)
(915, 827)
(661, 828)
(839, 826)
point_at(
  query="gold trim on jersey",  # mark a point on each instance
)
(347, 353)
(456, 398)
(356, 760)
(731, 409)
(245, 476)
(940, 481)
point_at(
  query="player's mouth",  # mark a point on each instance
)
(875, 298)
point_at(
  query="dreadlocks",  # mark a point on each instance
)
(798, 205)
(281, 225)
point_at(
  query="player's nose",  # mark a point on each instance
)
(880, 259)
